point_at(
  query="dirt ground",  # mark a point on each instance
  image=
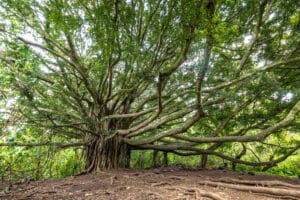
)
(163, 183)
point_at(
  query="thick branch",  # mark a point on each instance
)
(254, 39)
(160, 122)
(249, 75)
(190, 122)
(195, 151)
(249, 138)
(59, 145)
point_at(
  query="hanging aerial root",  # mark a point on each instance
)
(292, 193)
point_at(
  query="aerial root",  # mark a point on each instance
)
(258, 183)
(292, 193)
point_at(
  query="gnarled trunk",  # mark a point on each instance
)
(106, 153)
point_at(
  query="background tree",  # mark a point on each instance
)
(189, 77)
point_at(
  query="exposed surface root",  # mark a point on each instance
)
(274, 183)
(265, 190)
(208, 194)
(160, 184)
(198, 193)
(157, 185)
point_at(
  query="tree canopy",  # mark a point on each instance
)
(189, 77)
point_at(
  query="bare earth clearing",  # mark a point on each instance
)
(166, 183)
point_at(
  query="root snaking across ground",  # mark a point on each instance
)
(283, 193)
(164, 183)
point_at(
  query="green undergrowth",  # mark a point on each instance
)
(289, 168)
(22, 164)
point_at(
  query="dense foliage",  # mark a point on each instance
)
(217, 80)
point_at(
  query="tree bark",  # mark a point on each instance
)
(203, 161)
(155, 159)
(165, 160)
(106, 153)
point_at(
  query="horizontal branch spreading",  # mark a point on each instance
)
(247, 138)
(55, 144)
(190, 122)
(174, 148)
(67, 59)
(249, 75)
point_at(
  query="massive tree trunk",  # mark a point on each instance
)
(106, 153)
